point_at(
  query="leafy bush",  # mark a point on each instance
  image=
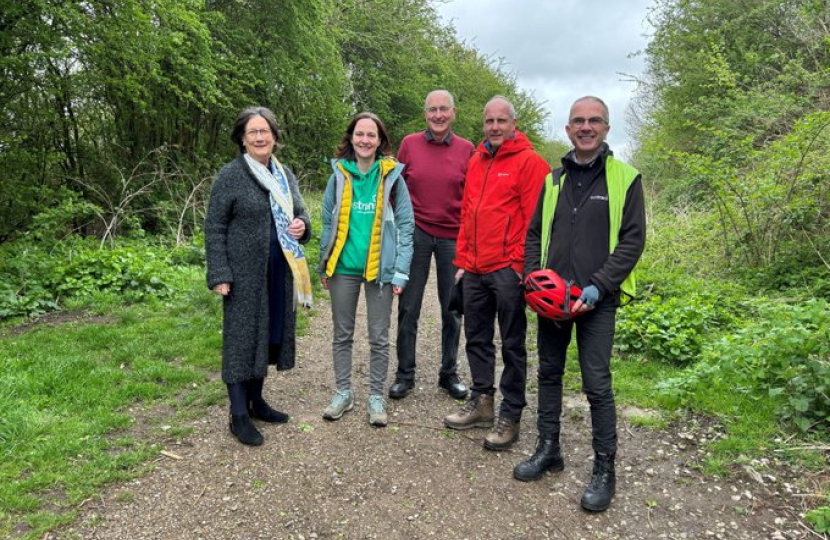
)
(35, 276)
(783, 350)
(819, 518)
(675, 314)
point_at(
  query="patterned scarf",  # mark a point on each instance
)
(282, 210)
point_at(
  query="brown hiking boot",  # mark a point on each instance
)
(477, 412)
(504, 434)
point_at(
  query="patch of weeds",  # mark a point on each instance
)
(651, 502)
(651, 421)
(178, 432)
(448, 433)
(393, 429)
(819, 519)
(305, 427)
(257, 483)
(124, 496)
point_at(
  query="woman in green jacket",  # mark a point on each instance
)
(366, 242)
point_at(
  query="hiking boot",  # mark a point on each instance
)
(600, 490)
(477, 412)
(244, 430)
(340, 403)
(453, 385)
(377, 414)
(503, 435)
(547, 457)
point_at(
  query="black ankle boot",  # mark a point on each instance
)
(547, 457)
(244, 430)
(600, 489)
(260, 410)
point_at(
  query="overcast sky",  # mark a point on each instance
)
(561, 50)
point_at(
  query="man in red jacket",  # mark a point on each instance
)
(503, 181)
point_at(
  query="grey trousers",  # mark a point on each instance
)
(345, 292)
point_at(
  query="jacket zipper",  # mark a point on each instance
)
(480, 197)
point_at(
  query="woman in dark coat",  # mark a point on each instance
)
(255, 222)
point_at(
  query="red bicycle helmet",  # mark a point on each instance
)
(548, 295)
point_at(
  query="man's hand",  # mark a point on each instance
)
(459, 275)
(222, 289)
(589, 297)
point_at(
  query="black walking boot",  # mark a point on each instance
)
(244, 430)
(600, 489)
(547, 457)
(258, 408)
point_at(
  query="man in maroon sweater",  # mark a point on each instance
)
(436, 161)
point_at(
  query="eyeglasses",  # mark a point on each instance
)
(258, 132)
(594, 121)
(433, 110)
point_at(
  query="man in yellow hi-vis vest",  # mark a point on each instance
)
(589, 226)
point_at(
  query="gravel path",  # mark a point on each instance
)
(314, 479)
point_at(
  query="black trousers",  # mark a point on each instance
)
(487, 298)
(594, 340)
(409, 305)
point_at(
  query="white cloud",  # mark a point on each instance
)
(561, 50)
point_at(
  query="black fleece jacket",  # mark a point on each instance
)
(578, 249)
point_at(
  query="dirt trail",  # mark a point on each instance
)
(314, 479)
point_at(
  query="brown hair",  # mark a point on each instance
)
(345, 148)
(242, 119)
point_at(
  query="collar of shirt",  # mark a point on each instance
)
(431, 138)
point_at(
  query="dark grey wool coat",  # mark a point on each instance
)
(237, 241)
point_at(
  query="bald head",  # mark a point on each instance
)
(499, 121)
(594, 99)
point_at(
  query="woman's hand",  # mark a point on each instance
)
(297, 228)
(396, 290)
(222, 289)
(324, 281)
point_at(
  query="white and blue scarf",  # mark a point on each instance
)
(282, 210)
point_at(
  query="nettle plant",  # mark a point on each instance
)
(782, 350)
(672, 329)
(36, 278)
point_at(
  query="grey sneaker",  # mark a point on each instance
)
(340, 403)
(377, 414)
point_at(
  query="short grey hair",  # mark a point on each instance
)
(511, 110)
(440, 91)
(597, 100)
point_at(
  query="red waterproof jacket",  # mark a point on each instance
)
(500, 193)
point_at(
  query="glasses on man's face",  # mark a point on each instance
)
(594, 121)
(258, 132)
(432, 110)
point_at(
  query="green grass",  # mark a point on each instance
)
(66, 391)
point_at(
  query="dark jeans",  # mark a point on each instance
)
(496, 295)
(594, 340)
(409, 305)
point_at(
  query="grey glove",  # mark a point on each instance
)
(590, 295)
